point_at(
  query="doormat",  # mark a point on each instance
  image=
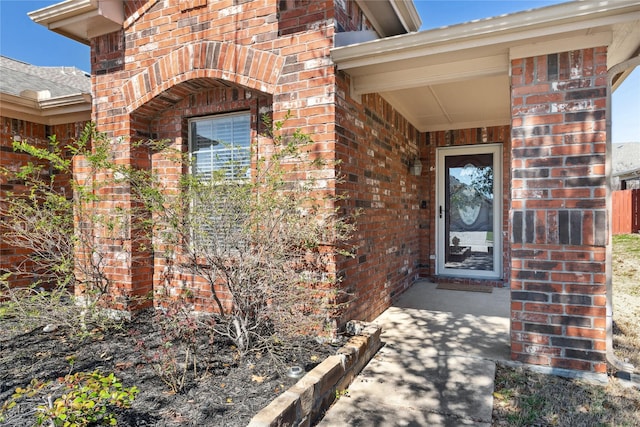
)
(462, 287)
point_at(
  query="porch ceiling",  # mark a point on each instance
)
(455, 104)
(458, 77)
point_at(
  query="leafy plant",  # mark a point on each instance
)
(39, 216)
(341, 393)
(261, 252)
(77, 400)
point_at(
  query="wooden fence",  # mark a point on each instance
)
(626, 211)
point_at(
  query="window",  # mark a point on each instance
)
(220, 147)
(221, 144)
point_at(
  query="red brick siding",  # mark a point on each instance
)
(376, 146)
(172, 57)
(37, 134)
(172, 62)
(558, 211)
(172, 124)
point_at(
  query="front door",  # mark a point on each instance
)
(469, 212)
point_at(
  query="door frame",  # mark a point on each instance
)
(441, 153)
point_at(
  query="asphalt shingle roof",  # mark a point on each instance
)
(16, 76)
(626, 157)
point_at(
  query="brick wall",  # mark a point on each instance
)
(175, 60)
(377, 146)
(558, 210)
(171, 124)
(38, 134)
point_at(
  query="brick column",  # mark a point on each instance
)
(113, 247)
(558, 210)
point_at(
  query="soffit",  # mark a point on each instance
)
(455, 105)
(457, 77)
(391, 17)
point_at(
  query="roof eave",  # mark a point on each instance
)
(517, 27)
(408, 14)
(628, 174)
(391, 17)
(458, 77)
(66, 101)
(81, 20)
(51, 111)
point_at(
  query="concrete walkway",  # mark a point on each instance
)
(437, 365)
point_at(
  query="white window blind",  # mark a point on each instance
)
(221, 144)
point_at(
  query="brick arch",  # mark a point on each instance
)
(178, 92)
(205, 60)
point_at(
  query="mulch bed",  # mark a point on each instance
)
(229, 390)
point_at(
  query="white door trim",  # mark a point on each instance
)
(441, 153)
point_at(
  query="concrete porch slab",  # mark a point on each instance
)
(447, 389)
(437, 366)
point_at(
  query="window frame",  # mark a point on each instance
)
(213, 117)
(215, 243)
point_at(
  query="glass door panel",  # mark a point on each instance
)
(468, 212)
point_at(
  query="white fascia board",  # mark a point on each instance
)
(450, 72)
(81, 99)
(67, 116)
(561, 45)
(509, 29)
(74, 106)
(386, 14)
(59, 11)
(18, 102)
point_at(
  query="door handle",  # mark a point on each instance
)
(440, 211)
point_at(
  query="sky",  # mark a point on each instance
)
(22, 39)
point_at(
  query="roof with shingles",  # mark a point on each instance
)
(17, 76)
(626, 157)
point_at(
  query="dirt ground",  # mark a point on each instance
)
(228, 392)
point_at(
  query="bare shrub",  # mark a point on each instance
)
(57, 222)
(180, 359)
(266, 246)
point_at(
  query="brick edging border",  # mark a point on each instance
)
(305, 401)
